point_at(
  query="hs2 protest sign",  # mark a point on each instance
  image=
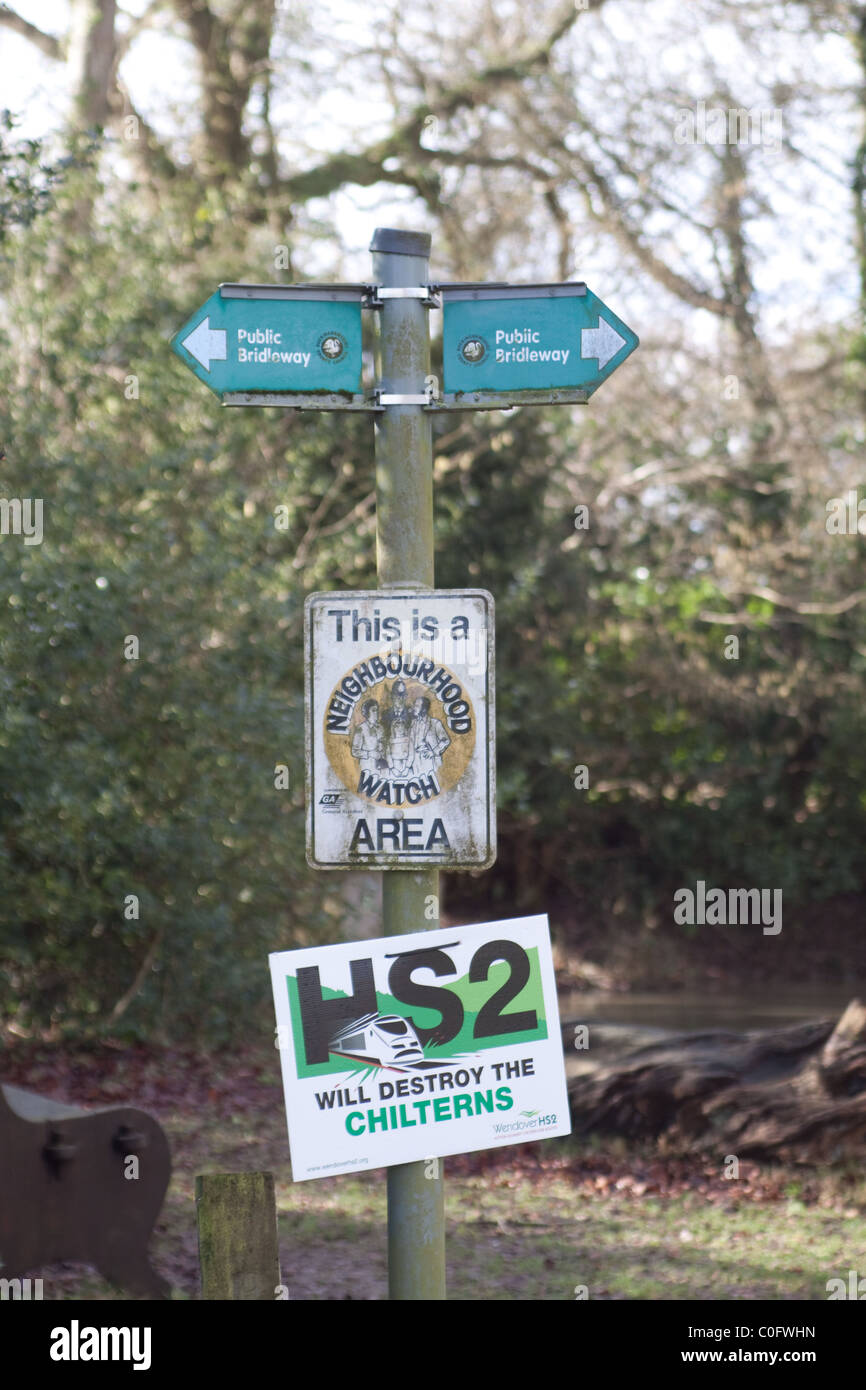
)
(400, 729)
(411, 1047)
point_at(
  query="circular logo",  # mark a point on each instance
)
(403, 737)
(332, 347)
(472, 350)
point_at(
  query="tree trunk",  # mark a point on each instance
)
(789, 1092)
(91, 62)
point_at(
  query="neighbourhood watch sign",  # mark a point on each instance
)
(400, 719)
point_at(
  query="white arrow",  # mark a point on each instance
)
(603, 342)
(206, 344)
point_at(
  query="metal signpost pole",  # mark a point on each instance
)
(300, 346)
(404, 556)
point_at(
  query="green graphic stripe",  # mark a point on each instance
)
(472, 996)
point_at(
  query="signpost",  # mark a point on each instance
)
(400, 736)
(404, 561)
(400, 730)
(278, 345)
(527, 344)
(380, 1068)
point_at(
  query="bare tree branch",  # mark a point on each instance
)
(51, 46)
(366, 167)
(141, 975)
(796, 611)
(830, 610)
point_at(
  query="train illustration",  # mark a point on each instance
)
(380, 1040)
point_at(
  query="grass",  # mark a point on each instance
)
(513, 1237)
(542, 1221)
(548, 1234)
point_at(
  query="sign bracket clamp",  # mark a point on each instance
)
(383, 398)
(378, 294)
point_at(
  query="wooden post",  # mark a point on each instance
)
(236, 1214)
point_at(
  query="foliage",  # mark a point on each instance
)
(706, 465)
(27, 182)
(154, 776)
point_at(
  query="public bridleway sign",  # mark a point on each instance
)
(400, 729)
(503, 345)
(381, 1066)
(527, 344)
(278, 344)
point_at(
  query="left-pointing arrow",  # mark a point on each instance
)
(206, 344)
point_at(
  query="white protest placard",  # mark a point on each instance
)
(400, 729)
(412, 1047)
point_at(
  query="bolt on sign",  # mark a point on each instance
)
(400, 729)
(381, 1067)
(531, 344)
(278, 344)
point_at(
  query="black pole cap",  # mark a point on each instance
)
(397, 243)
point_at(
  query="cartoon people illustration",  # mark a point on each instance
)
(429, 739)
(398, 742)
(367, 739)
(398, 732)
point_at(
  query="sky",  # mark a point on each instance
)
(807, 272)
(156, 72)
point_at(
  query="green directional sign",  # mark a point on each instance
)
(527, 344)
(297, 345)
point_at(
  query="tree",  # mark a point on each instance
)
(525, 139)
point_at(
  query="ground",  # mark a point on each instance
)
(536, 1221)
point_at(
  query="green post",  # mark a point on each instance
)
(404, 556)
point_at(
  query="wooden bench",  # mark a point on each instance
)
(83, 1185)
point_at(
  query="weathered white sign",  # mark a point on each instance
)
(411, 1047)
(400, 729)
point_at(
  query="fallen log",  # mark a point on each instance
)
(796, 1092)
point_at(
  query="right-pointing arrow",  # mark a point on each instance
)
(206, 344)
(603, 342)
